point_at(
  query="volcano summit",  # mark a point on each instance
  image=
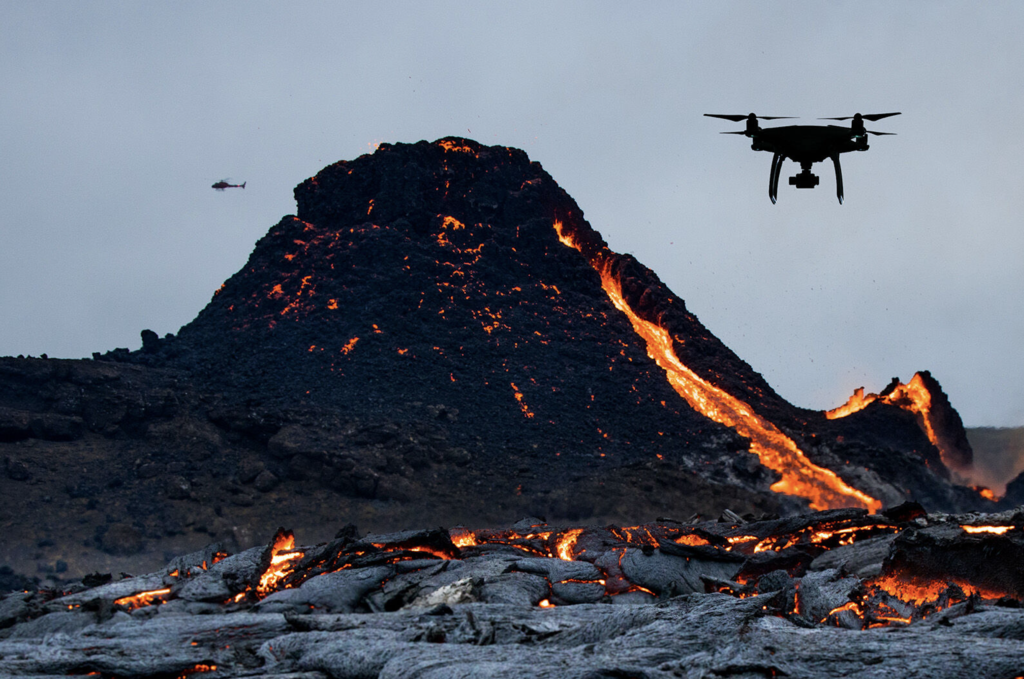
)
(439, 335)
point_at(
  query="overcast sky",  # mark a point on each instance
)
(115, 119)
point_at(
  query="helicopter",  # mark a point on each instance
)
(223, 184)
(806, 144)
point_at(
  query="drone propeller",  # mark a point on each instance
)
(738, 118)
(736, 132)
(879, 134)
(870, 116)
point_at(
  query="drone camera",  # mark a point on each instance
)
(804, 180)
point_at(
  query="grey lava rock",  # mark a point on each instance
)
(339, 592)
(265, 481)
(668, 575)
(392, 607)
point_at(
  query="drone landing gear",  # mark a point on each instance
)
(839, 178)
(802, 180)
(773, 178)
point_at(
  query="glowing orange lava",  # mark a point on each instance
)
(449, 145)
(462, 537)
(857, 402)
(636, 535)
(519, 398)
(141, 599)
(986, 493)
(991, 530)
(919, 591)
(280, 564)
(692, 540)
(349, 346)
(566, 541)
(776, 451)
(913, 397)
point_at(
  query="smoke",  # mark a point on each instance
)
(998, 456)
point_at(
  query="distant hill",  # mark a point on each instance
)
(998, 454)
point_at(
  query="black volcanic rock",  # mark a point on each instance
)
(1014, 492)
(431, 274)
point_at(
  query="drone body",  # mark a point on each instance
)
(806, 144)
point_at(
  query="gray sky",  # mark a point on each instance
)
(115, 118)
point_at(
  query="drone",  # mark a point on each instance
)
(806, 144)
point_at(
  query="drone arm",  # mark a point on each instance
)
(839, 177)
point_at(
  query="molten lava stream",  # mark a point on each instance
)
(777, 451)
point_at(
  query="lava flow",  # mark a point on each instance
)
(776, 451)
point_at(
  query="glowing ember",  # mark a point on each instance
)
(280, 564)
(141, 599)
(452, 222)
(349, 346)
(739, 539)
(920, 591)
(775, 543)
(463, 538)
(522, 406)
(992, 530)
(566, 541)
(449, 145)
(849, 606)
(986, 493)
(692, 540)
(566, 238)
(636, 535)
(432, 552)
